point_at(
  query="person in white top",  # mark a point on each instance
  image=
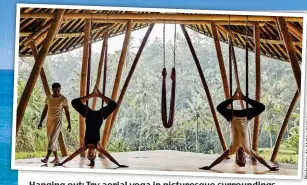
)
(54, 105)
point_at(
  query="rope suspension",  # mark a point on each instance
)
(168, 123)
(88, 77)
(246, 63)
(230, 62)
(105, 67)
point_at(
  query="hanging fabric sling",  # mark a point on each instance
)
(230, 63)
(246, 76)
(105, 67)
(232, 59)
(88, 78)
(168, 123)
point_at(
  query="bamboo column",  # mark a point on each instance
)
(47, 92)
(202, 77)
(37, 67)
(100, 65)
(122, 58)
(284, 34)
(284, 126)
(220, 59)
(258, 83)
(135, 62)
(87, 34)
(42, 72)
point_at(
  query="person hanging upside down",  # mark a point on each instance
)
(240, 138)
(93, 121)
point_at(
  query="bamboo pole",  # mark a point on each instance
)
(220, 60)
(100, 65)
(290, 50)
(29, 22)
(87, 34)
(284, 126)
(37, 67)
(121, 62)
(45, 21)
(35, 34)
(135, 62)
(270, 41)
(258, 83)
(37, 41)
(176, 16)
(293, 30)
(202, 77)
(226, 31)
(42, 72)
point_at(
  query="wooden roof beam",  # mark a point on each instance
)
(149, 16)
(167, 21)
(297, 33)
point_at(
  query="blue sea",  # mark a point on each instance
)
(7, 176)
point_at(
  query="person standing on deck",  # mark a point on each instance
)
(54, 105)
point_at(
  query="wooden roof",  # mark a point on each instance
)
(34, 24)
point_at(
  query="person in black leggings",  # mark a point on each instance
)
(93, 121)
(240, 140)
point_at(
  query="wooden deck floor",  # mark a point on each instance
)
(167, 161)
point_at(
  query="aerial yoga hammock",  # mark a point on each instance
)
(239, 119)
(94, 119)
(168, 123)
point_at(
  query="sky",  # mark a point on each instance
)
(8, 13)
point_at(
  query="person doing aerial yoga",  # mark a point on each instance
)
(240, 138)
(239, 119)
(93, 120)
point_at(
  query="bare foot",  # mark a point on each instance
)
(44, 160)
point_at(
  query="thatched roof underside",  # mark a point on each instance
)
(71, 34)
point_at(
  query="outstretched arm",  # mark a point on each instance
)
(262, 161)
(256, 109)
(217, 161)
(106, 153)
(222, 108)
(77, 152)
